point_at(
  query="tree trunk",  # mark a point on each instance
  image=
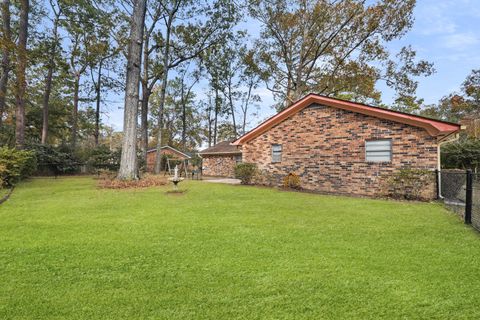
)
(215, 120)
(128, 162)
(146, 86)
(76, 89)
(232, 110)
(7, 41)
(288, 98)
(244, 124)
(209, 119)
(184, 119)
(98, 88)
(48, 83)
(245, 108)
(45, 107)
(144, 123)
(163, 89)
(145, 98)
(158, 156)
(21, 80)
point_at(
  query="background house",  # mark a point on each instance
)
(220, 159)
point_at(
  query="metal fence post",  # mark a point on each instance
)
(437, 183)
(468, 197)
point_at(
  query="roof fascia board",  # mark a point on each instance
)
(341, 104)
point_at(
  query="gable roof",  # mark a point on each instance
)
(433, 127)
(223, 147)
(173, 149)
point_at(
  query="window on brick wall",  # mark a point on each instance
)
(276, 152)
(378, 150)
(238, 159)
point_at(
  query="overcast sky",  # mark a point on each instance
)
(446, 32)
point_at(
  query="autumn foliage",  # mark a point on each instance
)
(292, 181)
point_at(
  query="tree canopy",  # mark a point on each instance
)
(335, 48)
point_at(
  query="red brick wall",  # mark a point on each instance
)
(326, 147)
(218, 165)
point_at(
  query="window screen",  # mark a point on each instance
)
(276, 152)
(378, 150)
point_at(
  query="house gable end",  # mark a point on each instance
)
(433, 127)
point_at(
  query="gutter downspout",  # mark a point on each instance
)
(439, 164)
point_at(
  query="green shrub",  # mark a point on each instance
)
(15, 165)
(410, 184)
(3, 173)
(462, 154)
(102, 158)
(245, 172)
(53, 160)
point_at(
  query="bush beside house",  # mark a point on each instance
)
(411, 184)
(292, 181)
(245, 172)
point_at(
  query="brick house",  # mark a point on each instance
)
(220, 159)
(167, 151)
(342, 147)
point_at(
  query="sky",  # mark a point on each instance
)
(445, 32)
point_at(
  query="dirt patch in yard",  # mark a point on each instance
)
(176, 192)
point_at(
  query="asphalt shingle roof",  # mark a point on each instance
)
(223, 147)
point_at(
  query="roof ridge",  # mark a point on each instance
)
(432, 126)
(380, 108)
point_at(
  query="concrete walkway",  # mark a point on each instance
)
(222, 180)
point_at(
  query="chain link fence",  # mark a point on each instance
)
(452, 190)
(460, 192)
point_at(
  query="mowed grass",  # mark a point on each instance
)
(70, 250)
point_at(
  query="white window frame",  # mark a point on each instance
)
(370, 153)
(277, 153)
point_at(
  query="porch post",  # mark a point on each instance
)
(468, 197)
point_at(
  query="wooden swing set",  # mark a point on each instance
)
(182, 169)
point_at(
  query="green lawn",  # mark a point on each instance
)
(3, 192)
(69, 250)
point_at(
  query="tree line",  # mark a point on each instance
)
(190, 70)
